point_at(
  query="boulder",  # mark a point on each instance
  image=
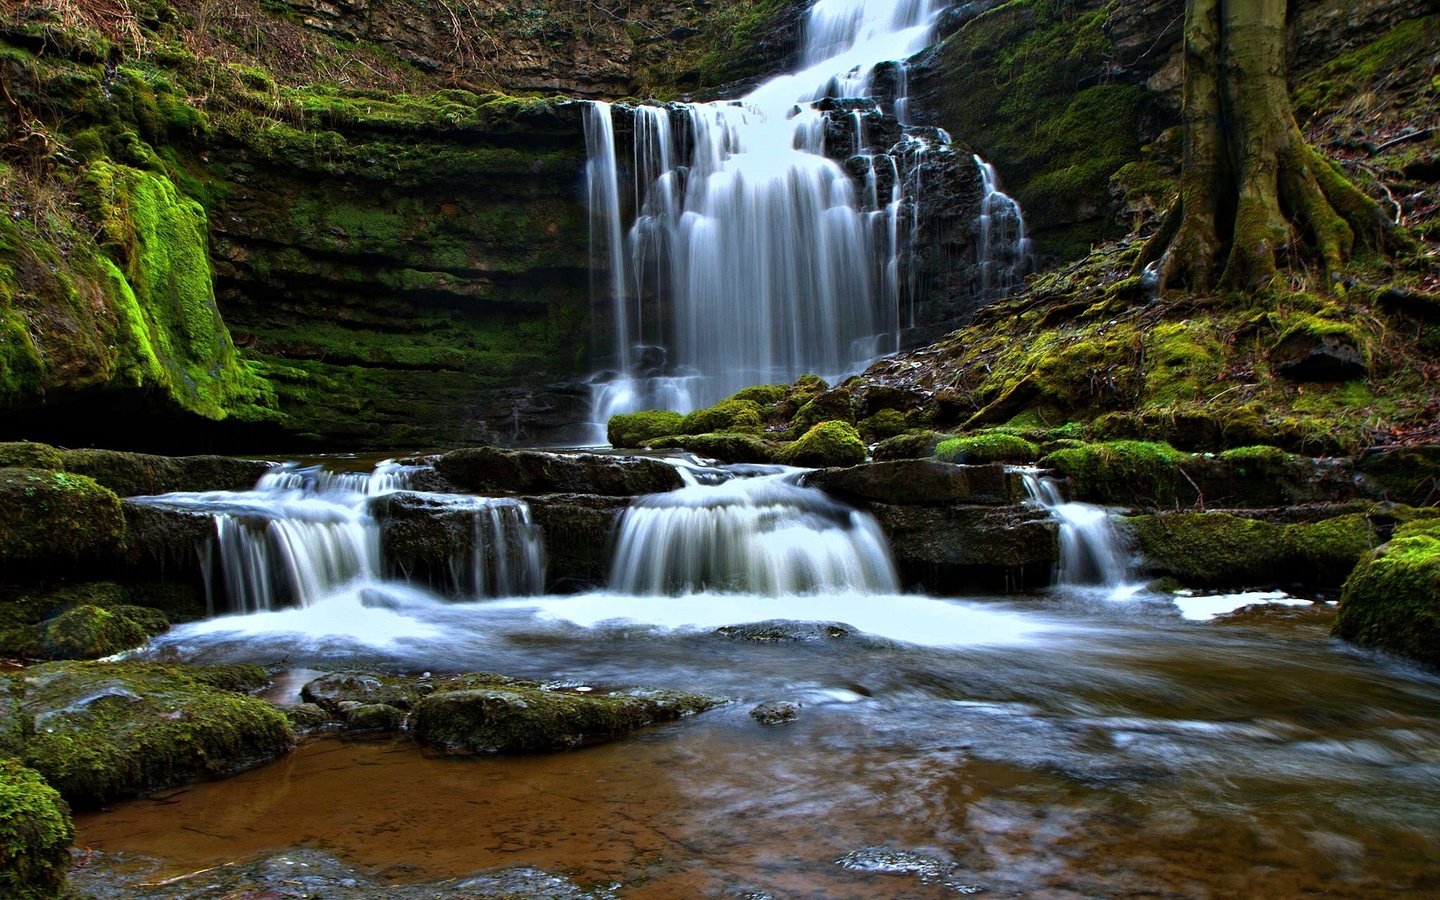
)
(1391, 601)
(53, 520)
(330, 691)
(778, 713)
(28, 455)
(35, 835)
(826, 444)
(488, 470)
(919, 482)
(103, 731)
(511, 716)
(136, 474)
(90, 632)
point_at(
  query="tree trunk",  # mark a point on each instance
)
(1254, 194)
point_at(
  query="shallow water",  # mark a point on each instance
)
(1066, 745)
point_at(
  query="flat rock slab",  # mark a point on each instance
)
(488, 470)
(137, 474)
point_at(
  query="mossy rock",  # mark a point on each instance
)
(1220, 549)
(137, 474)
(1391, 601)
(35, 835)
(55, 518)
(103, 731)
(911, 445)
(989, 447)
(89, 632)
(1145, 471)
(831, 406)
(725, 416)
(28, 455)
(1317, 348)
(883, 425)
(726, 448)
(524, 717)
(634, 429)
(826, 444)
(763, 394)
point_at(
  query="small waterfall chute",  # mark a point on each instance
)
(761, 535)
(1091, 549)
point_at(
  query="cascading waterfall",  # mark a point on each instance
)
(1091, 551)
(306, 533)
(759, 257)
(761, 535)
(1002, 251)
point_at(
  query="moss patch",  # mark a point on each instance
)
(35, 835)
(726, 416)
(989, 447)
(55, 517)
(1118, 468)
(634, 429)
(826, 444)
(1392, 600)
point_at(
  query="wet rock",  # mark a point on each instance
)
(55, 520)
(1391, 601)
(29, 455)
(577, 534)
(468, 716)
(163, 544)
(889, 861)
(102, 731)
(776, 713)
(780, 631)
(89, 632)
(136, 474)
(725, 448)
(491, 470)
(35, 835)
(912, 445)
(423, 534)
(372, 717)
(952, 548)
(918, 482)
(305, 718)
(330, 691)
(826, 444)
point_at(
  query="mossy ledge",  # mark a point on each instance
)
(1392, 600)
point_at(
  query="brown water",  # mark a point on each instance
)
(1119, 753)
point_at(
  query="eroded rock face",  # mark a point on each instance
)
(919, 482)
(951, 548)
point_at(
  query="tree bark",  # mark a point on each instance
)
(1254, 195)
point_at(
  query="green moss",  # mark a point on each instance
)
(35, 835)
(1259, 459)
(1351, 75)
(1120, 467)
(52, 518)
(27, 455)
(828, 406)
(1203, 549)
(523, 717)
(912, 445)
(89, 632)
(1392, 600)
(634, 429)
(726, 416)
(826, 444)
(987, 447)
(727, 448)
(110, 730)
(1183, 362)
(763, 394)
(885, 424)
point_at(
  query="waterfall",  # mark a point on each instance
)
(763, 535)
(1002, 251)
(758, 258)
(305, 533)
(1091, 551)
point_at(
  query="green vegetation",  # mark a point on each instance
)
(1120, 468)
(734, 416)
(728, 448)
(1392, 601)
(987, 447)
(54, 518)
(1203, 549)
(90, 632)
(634, 429)
(35, 835)
(826, 444)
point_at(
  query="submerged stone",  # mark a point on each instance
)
(782, 631)
(102, 731)
(777, 713)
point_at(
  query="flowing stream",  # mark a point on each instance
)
(1049, 745)
(752, 257)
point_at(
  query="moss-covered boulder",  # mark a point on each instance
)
(987, 447)
(726, 448)
(35, 835)
(1221, 549)
(55, 519)
(90, 632)
(510, 716)
(488, 470)
(911, 445)
(826, 444)
(136, 474)
(829, 406)
(102, 731)
(726, 416)
(1392, 600)
(632, 430)
(29, 455)
(883, 425)
(1142, 470)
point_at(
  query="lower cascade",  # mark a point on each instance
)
(763, 535)
(1091, 551)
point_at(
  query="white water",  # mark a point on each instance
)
(1091, 551)
(763, 535)
(760, 258)
(305, 534)
(1002, 251)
